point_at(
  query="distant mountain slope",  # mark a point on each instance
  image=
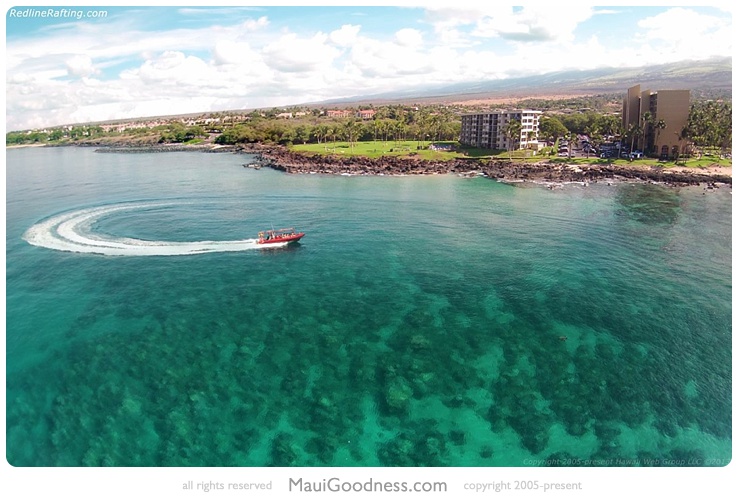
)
(713, 74)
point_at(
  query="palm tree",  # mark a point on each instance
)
(351, 130)
(400, 128)
(593, 132)
(634, 130)
(333, 132)
(421, 121)
(572, 139)
(512, 133)
(681, 136)
(386, 128)
(529, 136)
(659, 126)
(435, 126)
(645, 127)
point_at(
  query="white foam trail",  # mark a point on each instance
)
(71, 232)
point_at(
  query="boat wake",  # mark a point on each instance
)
(72, 232)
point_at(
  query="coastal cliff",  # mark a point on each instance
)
(283, 159)
(545, 171)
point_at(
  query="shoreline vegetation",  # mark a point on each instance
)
(422, 139)
(501, 168)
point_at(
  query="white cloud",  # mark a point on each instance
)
(80, 65)
(294, 55)
(540, 23)
(345, 36)
(668, 25)
(443, 18)
(255, 24)
(409, 37)
(172, 67)
(681, 33)
(452, 37)
(391, 60)
(231, 52)
(87, 71)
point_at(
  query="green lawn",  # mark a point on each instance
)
(703, 162)
(375, 149)
(414, 148)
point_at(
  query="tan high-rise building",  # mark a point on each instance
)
(663, 115)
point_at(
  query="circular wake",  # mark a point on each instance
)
(73, 232)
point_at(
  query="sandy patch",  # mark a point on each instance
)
(23, 146)
(710, 170)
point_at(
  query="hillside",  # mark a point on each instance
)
(699, 76)
(711, 79)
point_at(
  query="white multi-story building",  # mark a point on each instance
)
(487, 130)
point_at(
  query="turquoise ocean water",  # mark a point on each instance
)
(422, 321)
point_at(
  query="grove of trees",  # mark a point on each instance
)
(389, 123)
(710, 126)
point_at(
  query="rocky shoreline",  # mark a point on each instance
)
(282, 159)
(147, 149)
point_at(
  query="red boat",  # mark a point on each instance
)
(278, 236)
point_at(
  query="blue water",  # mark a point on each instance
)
(422, 321)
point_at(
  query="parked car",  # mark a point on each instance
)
(636, 154)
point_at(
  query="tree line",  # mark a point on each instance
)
(175, 132)
(709, 126)
(73, 133)
(390, 123)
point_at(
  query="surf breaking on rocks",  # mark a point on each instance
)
(72, 232)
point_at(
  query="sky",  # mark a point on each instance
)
(92, 62)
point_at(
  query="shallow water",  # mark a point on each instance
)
(422, 321)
